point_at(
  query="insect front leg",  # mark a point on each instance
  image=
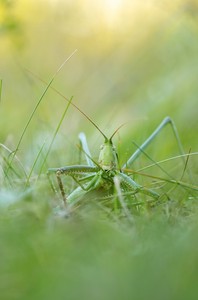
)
(72, 171)
(93, 184)
(60, 183)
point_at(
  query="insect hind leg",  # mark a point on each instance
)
(140, 150)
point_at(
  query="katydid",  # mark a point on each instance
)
(101, 175)
(106, 174)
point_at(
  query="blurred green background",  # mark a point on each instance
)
(136, 63)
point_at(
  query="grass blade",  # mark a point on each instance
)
(1, 83)
(55, 134)
(35, 109)
(34, 164)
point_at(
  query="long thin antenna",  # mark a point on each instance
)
(74, 105)
(116, 131)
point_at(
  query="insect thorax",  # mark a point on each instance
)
(108, 156)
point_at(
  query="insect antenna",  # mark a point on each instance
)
(89, 156)
(88, 118)
(71, 103)
(116, 131)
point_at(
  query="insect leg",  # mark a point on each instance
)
(166, 121)
(91, 185)
(83, 142)
(120, 197)
(136, 187)
(85, 186)
(70, 171)
(60, 183)
(80, 191)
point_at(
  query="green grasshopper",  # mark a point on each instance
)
(103, 175)
(106, 175)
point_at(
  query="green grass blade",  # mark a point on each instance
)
(35, 109)
(155, 163)
(34, 164)
(16, 158)
(1, 83)
(169, 159)
(55, 134)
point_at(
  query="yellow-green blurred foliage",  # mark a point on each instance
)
(136, 61)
